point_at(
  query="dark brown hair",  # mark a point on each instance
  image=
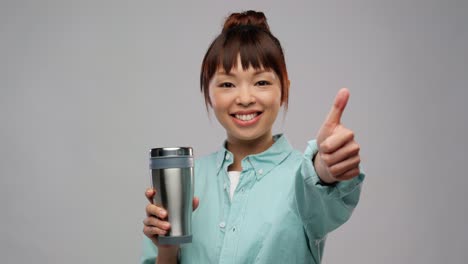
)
(246, 34)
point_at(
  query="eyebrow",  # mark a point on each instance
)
(257, 72)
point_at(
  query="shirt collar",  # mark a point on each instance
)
(263, 162)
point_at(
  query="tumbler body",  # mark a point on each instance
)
(172, 174)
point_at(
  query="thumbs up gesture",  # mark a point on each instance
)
(338, 156)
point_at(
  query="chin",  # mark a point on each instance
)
(247, 136)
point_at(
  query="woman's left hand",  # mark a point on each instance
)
(338, 156)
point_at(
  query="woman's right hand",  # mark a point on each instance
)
(155, 224)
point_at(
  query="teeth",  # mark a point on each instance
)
(246, 117)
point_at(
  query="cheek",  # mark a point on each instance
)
(214, 100)
(218, 103)
(274, 100)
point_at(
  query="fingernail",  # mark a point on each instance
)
(162, 213)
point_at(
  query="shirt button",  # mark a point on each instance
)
(260, 171)
(222, 225)
(225, 186)
(234, 229)
(228, 156)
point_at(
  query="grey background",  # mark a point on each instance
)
(87, 87)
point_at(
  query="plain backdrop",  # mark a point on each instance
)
(88, 87)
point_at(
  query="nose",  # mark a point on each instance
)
(245, 96)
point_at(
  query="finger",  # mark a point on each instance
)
(153, 231)
(349, 174)
(338, 139)
(153, 221)
(149, 193)
(196, 202)
(344, 166)
(153, 210)
(348, 150)
(341, 99)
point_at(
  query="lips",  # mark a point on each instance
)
(246, 118)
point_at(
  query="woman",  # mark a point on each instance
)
(259, 200)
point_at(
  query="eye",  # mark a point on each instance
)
(263, 83)
(226, 85)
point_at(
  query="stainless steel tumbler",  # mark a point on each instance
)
(172, 178)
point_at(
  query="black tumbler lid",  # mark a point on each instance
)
(171, 152)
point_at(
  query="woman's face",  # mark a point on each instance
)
(246, 103)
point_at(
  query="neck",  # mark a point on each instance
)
(242, 148)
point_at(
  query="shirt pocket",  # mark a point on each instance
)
(254, 253)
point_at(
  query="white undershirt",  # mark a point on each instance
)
(234, 179)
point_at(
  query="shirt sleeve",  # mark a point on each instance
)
(150, 251)
(323, 208)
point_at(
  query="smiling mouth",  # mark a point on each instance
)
(246, 117)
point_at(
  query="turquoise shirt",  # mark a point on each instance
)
(280, 211)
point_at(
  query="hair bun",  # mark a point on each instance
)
(247, 18)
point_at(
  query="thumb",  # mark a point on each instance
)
(195, 203)
(149, 193)
(341, 99)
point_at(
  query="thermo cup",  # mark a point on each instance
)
(172, 177)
